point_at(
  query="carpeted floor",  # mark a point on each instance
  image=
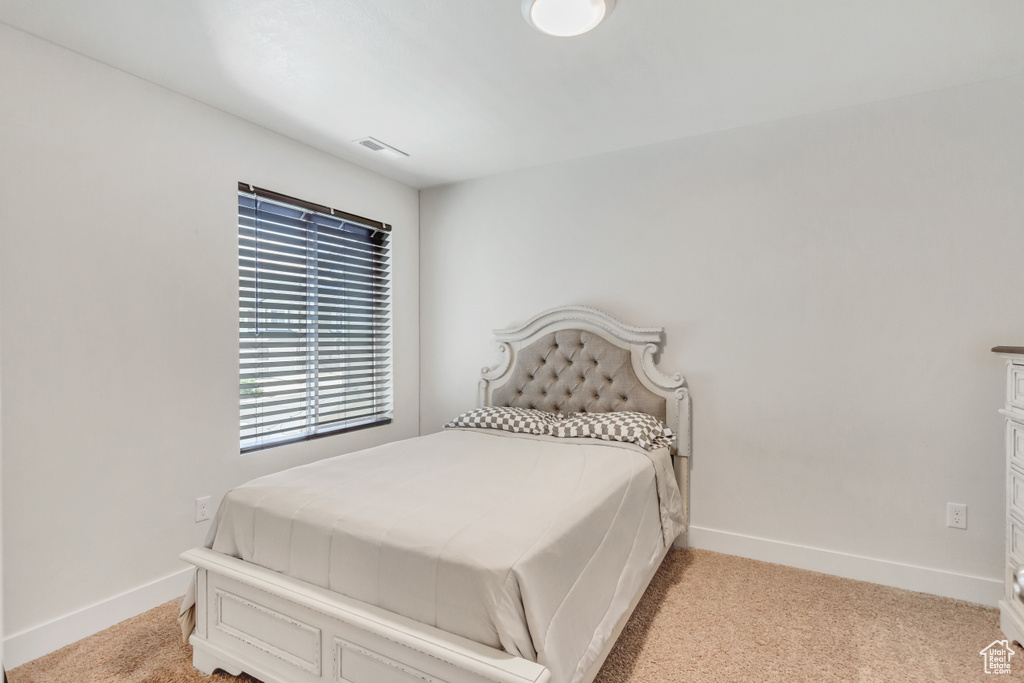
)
(705, 617)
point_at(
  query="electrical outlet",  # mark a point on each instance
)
(202, 509)
(956, 515)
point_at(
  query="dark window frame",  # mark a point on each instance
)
(315, 328)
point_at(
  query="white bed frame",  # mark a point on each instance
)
(283, 630)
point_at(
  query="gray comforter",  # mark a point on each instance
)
(534, 545)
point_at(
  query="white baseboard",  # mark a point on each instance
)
(974, 589)
(43, 639)
(40, 640)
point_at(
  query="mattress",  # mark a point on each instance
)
(530, 544)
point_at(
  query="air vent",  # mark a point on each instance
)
(376, 145)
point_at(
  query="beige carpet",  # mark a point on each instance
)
(706, 617)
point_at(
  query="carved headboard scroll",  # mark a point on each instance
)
(579, 359)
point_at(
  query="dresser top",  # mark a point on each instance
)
(1009, 349)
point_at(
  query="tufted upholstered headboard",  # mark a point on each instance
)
(576, 371)
(579, 359)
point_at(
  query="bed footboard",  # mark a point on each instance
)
(282, 630)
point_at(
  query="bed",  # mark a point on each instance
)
(467, 556)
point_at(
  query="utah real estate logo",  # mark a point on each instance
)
(997, 657)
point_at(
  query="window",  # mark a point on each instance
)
(314, 322)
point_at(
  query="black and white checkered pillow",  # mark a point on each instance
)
(509, 419)
(644, 430)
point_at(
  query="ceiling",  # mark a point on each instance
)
(468, 89)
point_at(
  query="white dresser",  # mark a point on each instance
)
(1011, 607)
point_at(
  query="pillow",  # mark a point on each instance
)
(644, 430)
(507, 418)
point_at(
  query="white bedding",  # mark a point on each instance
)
(534, 545)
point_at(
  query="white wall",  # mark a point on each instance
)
(3, 221)
(120, 299)
(830, 285)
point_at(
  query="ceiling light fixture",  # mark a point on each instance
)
(564, 18)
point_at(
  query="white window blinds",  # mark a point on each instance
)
(314, 322)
